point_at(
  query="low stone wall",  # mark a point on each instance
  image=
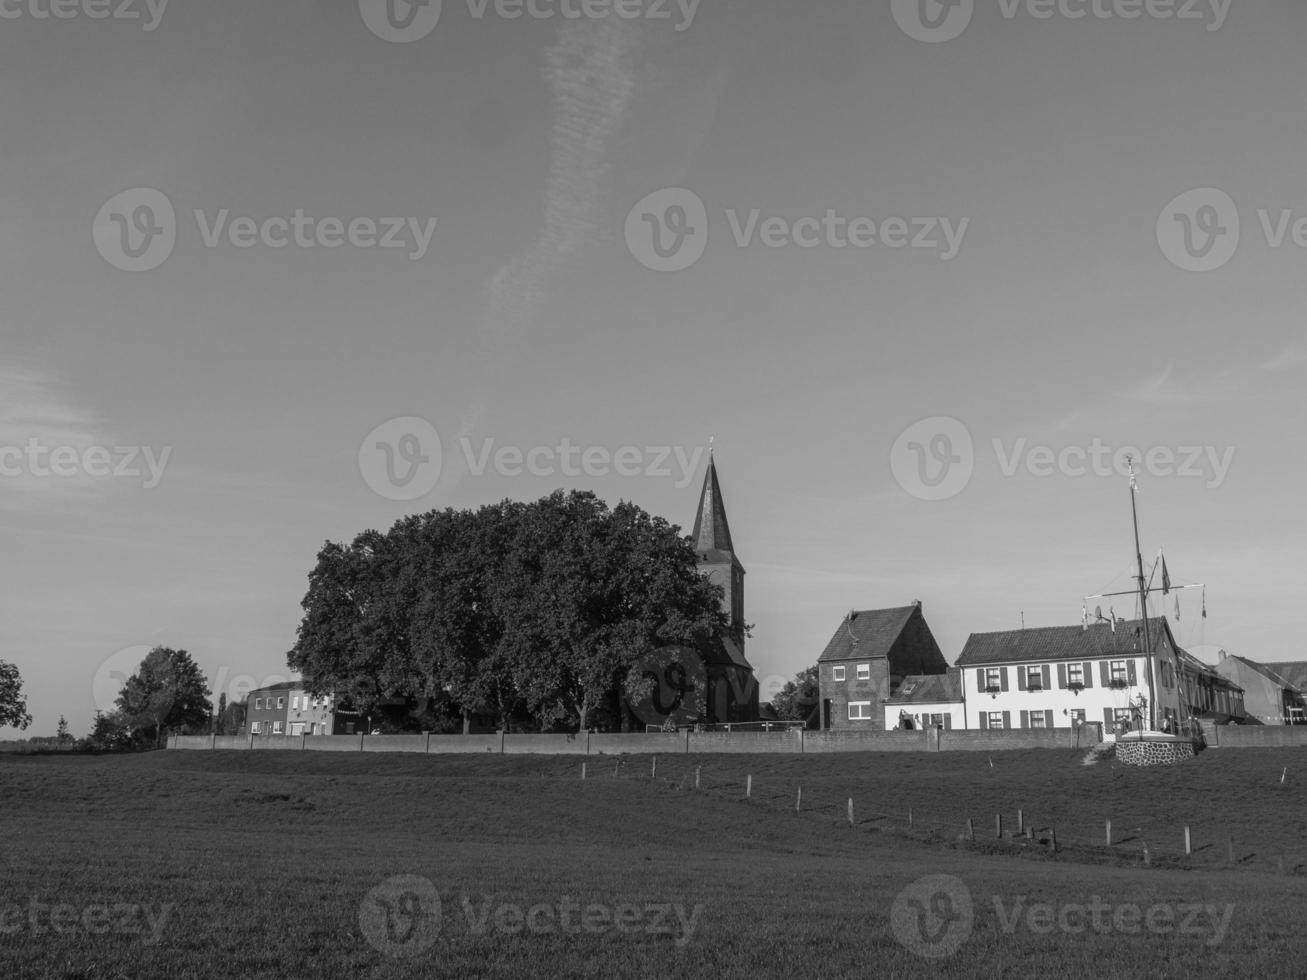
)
(1255, 736)
(1134, 752)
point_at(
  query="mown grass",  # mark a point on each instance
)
(268, 859)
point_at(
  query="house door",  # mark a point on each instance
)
(825, 713)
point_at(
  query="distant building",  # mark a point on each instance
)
(289, 709)
(876, 666)
(1269, 698)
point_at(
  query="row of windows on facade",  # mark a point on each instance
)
(1079, 674)
(296, 728)
(321, 702)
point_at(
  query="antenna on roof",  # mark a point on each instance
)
(1023, 619)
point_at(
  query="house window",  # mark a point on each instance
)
(258, 704)
(838, 673)
(1122, 716)
(996, 719)
(1077, 716)
(276, 728)
(1037, 719)
(933, 721)
(1075, 674)
(1117, 673)
(1034, 678)
(864, 672)
(297, 728)
(295, 702)
(993, 678)
(254, 728)
(859, 711)
(281, 702)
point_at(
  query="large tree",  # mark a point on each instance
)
(167, 691)
(540, 608)
(13, 703)
(797, 700)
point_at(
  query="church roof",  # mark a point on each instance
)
(712, 534)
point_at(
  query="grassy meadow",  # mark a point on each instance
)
(318, 865)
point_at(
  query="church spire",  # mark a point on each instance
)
(711, 531)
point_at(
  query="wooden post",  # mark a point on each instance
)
(1109, 831)
(653, 771)
(616, 766)
(851, 811)
(971, 830)
(1052, 840)
(798, 800)
(1188, 843)
(1147, 860)
(1229, 845)
(583, 770)
(909, 816)
(998, 826)
(748, 787)
(1030, 831)
(1021, 822)
(696, 777)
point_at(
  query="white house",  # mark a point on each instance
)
(1060, 676)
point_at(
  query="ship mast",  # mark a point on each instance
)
(1143, 599)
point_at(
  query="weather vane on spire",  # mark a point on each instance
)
(710, 441)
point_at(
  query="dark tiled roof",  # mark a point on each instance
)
(1187, 659)
(867, 634)
(921, 688)
(1060, 643)
(1267, 671)
(1293, 671)
(712, 535)
(283, 686)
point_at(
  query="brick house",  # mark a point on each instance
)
(289, 708)
(868, 662)
(268, 709)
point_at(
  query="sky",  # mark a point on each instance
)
(274, 274)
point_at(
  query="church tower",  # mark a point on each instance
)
(717, 558)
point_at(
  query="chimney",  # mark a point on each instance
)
(1223, 654)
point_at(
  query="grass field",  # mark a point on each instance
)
(268, 864)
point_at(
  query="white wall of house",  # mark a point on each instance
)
(948, 714)
(1040, 694)
(308, 715)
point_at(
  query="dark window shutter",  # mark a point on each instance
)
(1048, 717)
(1025, 719)
(1130, 667)
(1061, 676)
(984, 720)
(948, 722)
(1003, 678)
(1007, 719)
(1088, 674)
(1047, 671)
(1021, 678)
(980, 678)
(1107, 718)
(1102, 672)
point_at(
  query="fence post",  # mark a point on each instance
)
(798, 800)
(909, 816)
(1021, 823)
(801, 737)
(748, 786)
(1109, 831)
(361, 737)
(998, 826)
(583, 771)
(213, 740)
(851, 811)
(251, 740)
(303, 739)
(971, 831)
(653, 769)
(1052, 840)
(1188, 848)
(1147, 859)
(696, 777)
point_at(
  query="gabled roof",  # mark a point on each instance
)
(923, 688)
(283, 686)
(1044, 643)
(867, 634)
(712, 534)
(1188, 660)
(1274, 676)
(1293, 671)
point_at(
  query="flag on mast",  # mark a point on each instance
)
(1166, 579)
